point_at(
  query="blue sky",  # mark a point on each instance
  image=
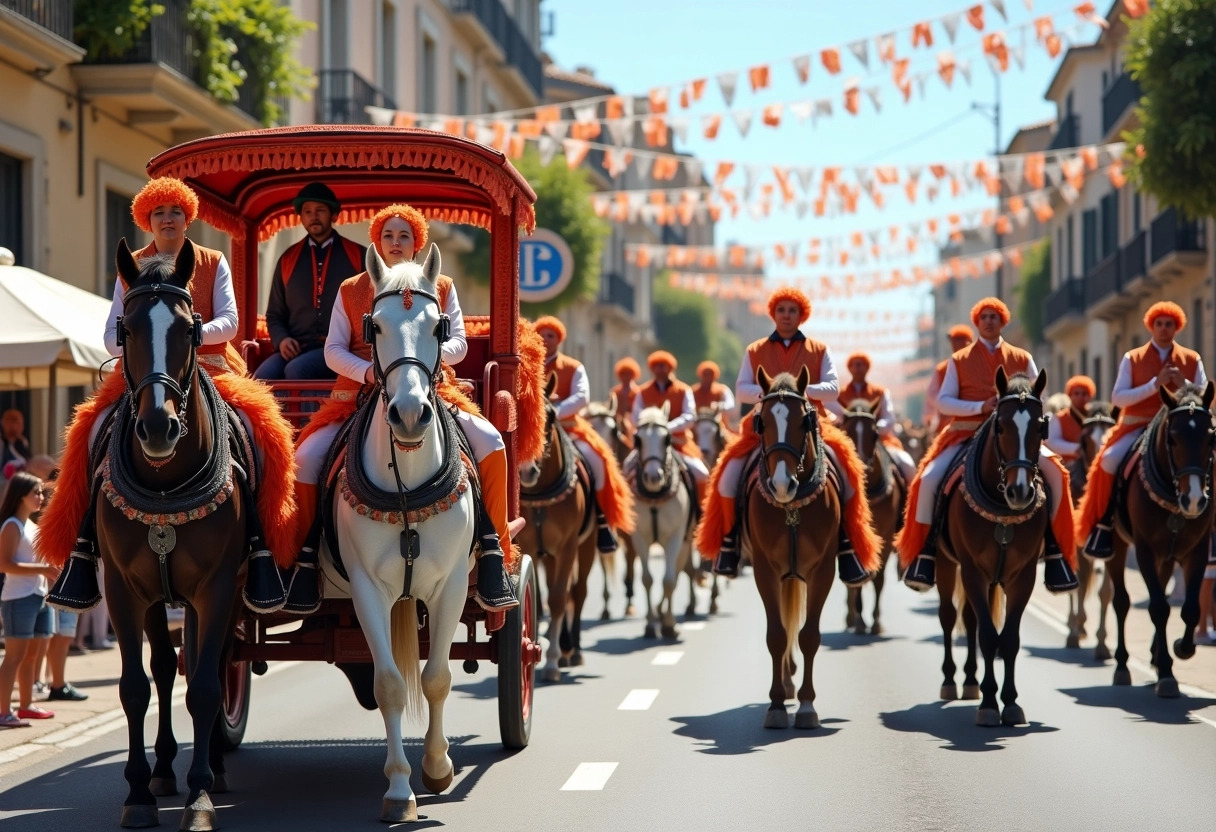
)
(638, 44)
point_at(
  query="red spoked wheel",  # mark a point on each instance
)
(234, 706)
(518, 654)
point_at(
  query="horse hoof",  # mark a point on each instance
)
(1102, 653)
(859, 629)
(604, 616)
(140, 816)
(1123, 676)
(220, 784)
(398, 811)
(551, 674)
(806, 720)
(577, 660)
(971, 692)
(437, 785)
(630, 610)
(713, 607)
(776, 718)
(1183, 651)
(1073, 642)
(670, 633)
(163, 786)
(987, 718)
(563, 662)
(1167, 688)
(199, 816)
(949, 693)
(650, 632)
(1013, 715)
(876, 629)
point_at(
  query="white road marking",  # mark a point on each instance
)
(639, 700)
(589, 777)
(668, 657)
(692, 626)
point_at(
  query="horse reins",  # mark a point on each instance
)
(664, 492)
(1204, 471)
(1003, 465)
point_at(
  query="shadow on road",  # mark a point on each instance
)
(1142, 702)
(846, 640)
(1079, 656)
(955, 725)
(625, 646)
(742, 731)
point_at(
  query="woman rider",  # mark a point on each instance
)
(399, 232)
(165, 207)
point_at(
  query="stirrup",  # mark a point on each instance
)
(1058, 575)
(263, 591)
(1100, 545)
(727, 563)
(77, 589)
(848, 565)
(494, 588)
(303, 586)
(605, 540)
(922, 573)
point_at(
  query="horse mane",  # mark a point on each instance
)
(1019, 383)
(598, 409)
(652, 416)
(159, 268)
(858, 406)
(407, 275)
(1190, 393)
(784, 383)
(1099, 408)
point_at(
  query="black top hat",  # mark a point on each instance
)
(316, 192)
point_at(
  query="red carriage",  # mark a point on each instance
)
(246, 183)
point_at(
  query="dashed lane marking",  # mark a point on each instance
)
(638, 700)
(668, 657)
(589, 777)
(692, 626)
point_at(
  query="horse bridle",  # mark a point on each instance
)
(1088, 422)
(810, 418)
(1003, 466)
(716, 418)
(663, 460)
(181, 391)
(1204, 471)
(867, 416)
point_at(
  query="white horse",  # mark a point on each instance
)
(385, 590)
(664, 505)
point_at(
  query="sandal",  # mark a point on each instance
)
(34, 712)
(12, 721)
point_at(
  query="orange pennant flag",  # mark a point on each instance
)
(452, 126)
(1015, 258)
(831, 60)
(945, 67)
(401, 119)
(1135, 8)
(1089, 155)
(658, 100)
(1043, 26)
(910, 190)
(899, 71)
(1043, 212)
(922, 34)
(956, 187)
(698, 89)
(516, 147)
(1053, 45)
(548, 115)
(1034, 169)
(772, 115)
(586, 132)
(1003, 226)
(938, 170)
(887, 174)
(1016, 204)
(1117, 177)
(759, 77)
(655, 130)
(975, 16)
(724, 170)
(685, 98)
(576, 151)
(852, 100)
(711, 125)
(1087, 12)
(644, 257)
(782, 175)
(994, 45)
(993, 185)
(932, 226)
(614, 107)
(529, 127)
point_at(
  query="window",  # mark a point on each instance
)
(1196, 322)
(1109, 224)
(1068, 104)
(1084, 361)
(338, 32)
(1096, 375)
(462, 94)
(1136, 216)
(388, 51)
(1089, 240)
(428, 79)
(119, 224)
(12, 209)
(1070, 258)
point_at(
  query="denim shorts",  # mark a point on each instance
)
(27, 617)
(65, 623)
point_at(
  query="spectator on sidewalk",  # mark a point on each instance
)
(14, 446)
(28, 621)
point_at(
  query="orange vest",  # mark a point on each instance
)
(564, 366)
(201, 285)
(1070, 428)
(1146, 364)
(775, 357)
(624, 399)
(976, 366)
(708, 396)
(940, 372)
(869, 393)
(652, 396)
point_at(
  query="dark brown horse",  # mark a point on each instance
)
(886, 492)
(169, 454)
(1166, 510)
(556, 498)
(995, 524)
(792, 519)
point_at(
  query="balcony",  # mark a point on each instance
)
(1067, 134)
(1177, 248)
(1064, 307)
(1103, 280)
(36, 35)
(615, 290)
(1122, 96)
(159, 82)
(342, 95)
(489, 24)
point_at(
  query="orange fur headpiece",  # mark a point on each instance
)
(554, 325)
(858, 356)
(712, 367)
(1084, 382)
(163, 191)
(661, 357)
(408, 213)
(996, 304)
(790, 293)
(1167, 308)
(960, 331)
(627, 363)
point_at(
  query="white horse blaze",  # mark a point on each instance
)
(161, 317)
(1022, 420)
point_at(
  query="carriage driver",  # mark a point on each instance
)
(860, 389)
(165, 207)
(1160, 363)
(1064, 432)
(666, 388)
(787, 350)
(399, 232)
(573, 392)
(967, 396)
(960, 336)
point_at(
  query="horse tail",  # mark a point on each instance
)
(404, 634)
(996, 606)
(793, 610)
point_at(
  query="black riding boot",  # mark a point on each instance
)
(264, 591)
(494, 588)
(848, 565)
(77, 589)
(922, 572)
(1100, 544)
(605, 539)
(727, 564)
(303, 581)
(1058, 576)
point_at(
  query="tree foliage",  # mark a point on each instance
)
(1172, 54)
(111, 28)
(684, 324)
(563, 205)
(1033, 288)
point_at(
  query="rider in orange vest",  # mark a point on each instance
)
(627, 373)
(960, 337)
(165, 207)
(711, 392)
(859, 388)
(666, 388)
(614, 506)
(1064, 432)
(398, 233)
(967, 396)
(787, 350)
(1160, 363)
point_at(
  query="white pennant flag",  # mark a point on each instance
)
(548, 147)
(1069, 193)
(999, 5)
(801, 210)
(627, 106)
(921, 78)
(557, 129)
(886, 46)
(679, 126)
(914, 229)
(600, 205)
(823, 107)
(950, 24)
(805, 176)
(485, 135)
(727, 82)
(931, 192)
(875, 94)
(436, 125)
(756, 209)
(701, 213)
(801, 110)
(964, 69)
(1054, 173)
(381, 116)
(863, 176)
(1012, 171)
(861, 51)
(743, 120)
(585, 115)
(1018, 53)
(636, 200)
(750, 172)
(692, 170)
(994, 63)
(619, 129)
(618, 164)
(802, 66)
(914, 171)
(1022, 216)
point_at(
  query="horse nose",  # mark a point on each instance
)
(394, 415)
(428, 413)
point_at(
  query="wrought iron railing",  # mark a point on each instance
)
(54, 15)
(343, 93)
(1068, 299)
(1103, 280)
(1122, 94)
(519, 51)
(1171, 233)
(616, 290)
(1066, 133)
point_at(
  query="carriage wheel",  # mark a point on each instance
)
(518, 653)
(234, 707)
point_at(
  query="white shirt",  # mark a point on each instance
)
(1055, 436)
(929, 411)
(222, 327)
(826, 390)
(948, 402)
(342, 361)
(1124, 395)
(676, 422)
(24, 585)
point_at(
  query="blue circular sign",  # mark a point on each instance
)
(546, 266)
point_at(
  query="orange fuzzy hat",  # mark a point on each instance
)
(960, 331)
(163, 191)
(1084, 382)
(1167, 308)
(627, 363)
(661, 357)
(990, 303)
(861, 356)
(711, 366)
(406, 212)
(790, 293)
(551, 323)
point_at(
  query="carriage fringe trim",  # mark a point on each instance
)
(415, 515)
(177, 518)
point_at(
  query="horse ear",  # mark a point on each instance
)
(183, 267)
(376, 268)
(1167, 397)
(127, 268)
(612, 403)
(550, 384)
(804, 379)
(765, 382)
(1209, 393)
(1076, 415)
(1040, 384)
(1002, 381)
(667, 410)
(432, 265)
(875, 404)
(1114, 413)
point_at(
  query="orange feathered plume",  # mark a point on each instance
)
(790, 293)
(615, 498)
(1084, 382)
(408, 213)
(551, 323)
(990, 303)
(530, 403)
(164, 190)
(1168, 309)
(961, 331)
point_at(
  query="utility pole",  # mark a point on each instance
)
(993, 111)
